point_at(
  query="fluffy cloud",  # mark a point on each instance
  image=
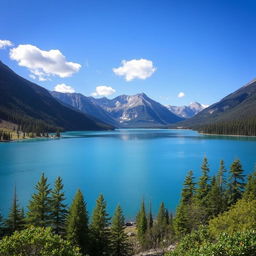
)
(64, 88)
(181, 95)
(5, 43)
(43, 64)
(103, 91)
(132, 69)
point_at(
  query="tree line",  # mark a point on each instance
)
(47, 208)
(5, 136)
(235, 127)
(202, 201)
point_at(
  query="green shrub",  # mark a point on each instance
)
(38, 242)
(240, 217)
(237, 244)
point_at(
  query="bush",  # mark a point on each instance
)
(240, 217)
(237, 244)
(37, 242)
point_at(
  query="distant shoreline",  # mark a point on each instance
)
(229, 135)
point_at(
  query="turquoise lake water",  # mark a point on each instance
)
(125, 165)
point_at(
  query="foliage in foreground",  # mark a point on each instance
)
(240, 217)
(36, 241)
(237, 244)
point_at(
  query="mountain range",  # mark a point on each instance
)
(30, 105)
(123, 111)
(187, 111)
(25, 103)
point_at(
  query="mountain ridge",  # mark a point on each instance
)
(22, 101)
(237, 109)
(129, 111)
(187, 111)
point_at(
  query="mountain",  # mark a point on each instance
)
(238, 110)
(187, 111)
(86, 105)
(137, 111)
(25, 103)
(123, 111)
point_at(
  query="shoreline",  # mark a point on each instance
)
(227, 135)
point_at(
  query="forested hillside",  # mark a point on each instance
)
(235, 114)
(33, 109)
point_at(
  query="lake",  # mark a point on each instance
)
(126, 165)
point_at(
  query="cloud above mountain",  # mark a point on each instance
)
(43, 64)
(136, 68)
(103, 91)
(181, 95)
(5, 43)
(64, 88)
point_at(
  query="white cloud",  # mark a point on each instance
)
(43, 64)
(132, 69)
(64, 88)
(5, 43)
(103, 91)
(181, 95)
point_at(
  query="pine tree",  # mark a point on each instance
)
(221, 181)
(119, 239)
(188, 188)
(16, 218)
(141, 221)
(161, 227)
(58, 208)
(2, 228)
(77, 223)
(181, 221)
(161, 216)
(236, 182)
(214, 199)
(250, 187)
(203, 186)
(100, 229)
(150, 218)
(39, 207)
(167, 216)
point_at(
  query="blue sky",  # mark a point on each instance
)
(205, 49)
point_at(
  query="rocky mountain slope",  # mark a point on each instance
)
(24, 102)
(125, 111)
(186, 111)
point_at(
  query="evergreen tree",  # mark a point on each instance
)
(236, 182)
(16, 218)
(250, 187)
(58, 208)
(77, 223)
(100, 229)
(39, 207)
(161, 216)
(203, 184)
(2, 228)
(141, 221)
(162, 220)
(221, 181)
(182, 221)
(214, 199)
(188, 188)
(167, 216)
(119, 239)
(150, 218)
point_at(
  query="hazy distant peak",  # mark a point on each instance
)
(187, 111)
